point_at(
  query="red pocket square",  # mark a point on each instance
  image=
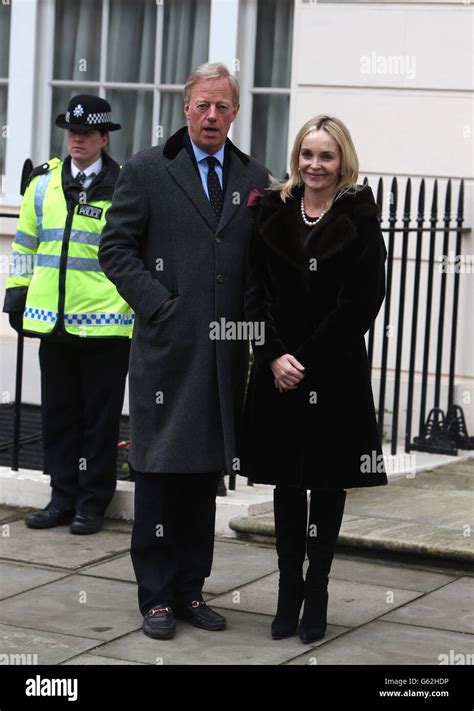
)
(255, 198)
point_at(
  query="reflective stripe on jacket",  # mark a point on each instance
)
(55, 257)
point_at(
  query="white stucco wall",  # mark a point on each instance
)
(400, 77)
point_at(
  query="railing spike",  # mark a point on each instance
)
(434, 201)
(460, 213)
(447, 202)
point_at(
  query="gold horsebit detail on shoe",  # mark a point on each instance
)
(154, 611)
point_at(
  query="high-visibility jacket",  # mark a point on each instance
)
(55, 276)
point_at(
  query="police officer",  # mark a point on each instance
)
(57, 291)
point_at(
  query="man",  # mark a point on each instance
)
(175, 245)
(57, 291)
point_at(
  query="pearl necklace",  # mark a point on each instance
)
(310, 223)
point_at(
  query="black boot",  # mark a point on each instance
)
(290, 510)
(325, 518)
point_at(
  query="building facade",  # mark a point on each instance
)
(399, 74)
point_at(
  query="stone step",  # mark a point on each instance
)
(427, 515)
(377, 534)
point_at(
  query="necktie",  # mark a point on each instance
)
(216, 196)
(80, 178)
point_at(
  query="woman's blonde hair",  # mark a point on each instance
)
(349, 170)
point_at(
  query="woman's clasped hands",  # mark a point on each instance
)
(288, 372)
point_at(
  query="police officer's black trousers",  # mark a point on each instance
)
(82, 388)
(173, 536)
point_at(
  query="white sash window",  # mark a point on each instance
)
(266, 31)
(135, 53)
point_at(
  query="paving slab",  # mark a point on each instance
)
(384, 643)
(383, 610)
(76, 605)
(388, 575)
(8, 513)
(16, 578)
(120, 568)
(235, 563)
(58, 547)
(449, 608)
(246, 640)
(35, 647)
(95, 660)
(350, 603)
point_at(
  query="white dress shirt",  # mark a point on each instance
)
(91, 171)
(201, 159)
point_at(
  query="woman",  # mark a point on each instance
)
(58, 292)
(316, 280)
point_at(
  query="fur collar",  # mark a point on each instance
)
(176, 143)
(282, 229)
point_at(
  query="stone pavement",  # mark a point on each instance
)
(72, 600)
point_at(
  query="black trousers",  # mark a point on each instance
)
(82, 388)
(173, 536)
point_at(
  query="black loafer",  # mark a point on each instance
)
(159, 623)
(85, 522)
(200, 615)
(49, 517)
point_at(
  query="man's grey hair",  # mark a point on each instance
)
(211, 71)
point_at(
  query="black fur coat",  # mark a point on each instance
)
(318, 290)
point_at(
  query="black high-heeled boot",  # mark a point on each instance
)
(325, 518)
(290, 511)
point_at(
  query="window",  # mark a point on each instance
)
(4, 52)
(266, 31)
(138, 54)
(135, 53)
(272, 79)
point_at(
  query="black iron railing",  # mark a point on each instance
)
(441, 431)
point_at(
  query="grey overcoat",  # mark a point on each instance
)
(181, 271)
